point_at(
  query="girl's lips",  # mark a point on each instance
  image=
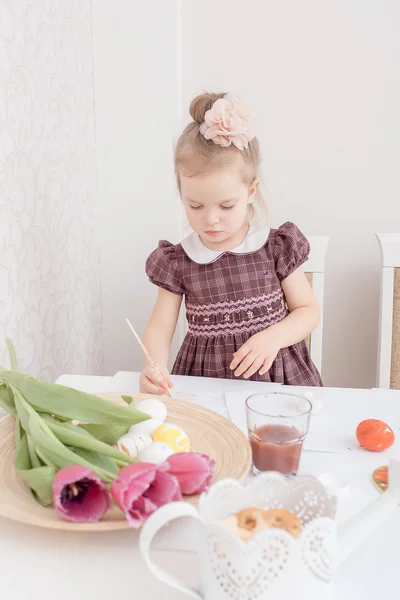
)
(213, 232)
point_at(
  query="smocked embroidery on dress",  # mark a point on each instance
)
(248, 315)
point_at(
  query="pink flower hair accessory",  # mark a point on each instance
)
(228, 122)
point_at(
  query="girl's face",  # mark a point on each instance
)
(216, 205)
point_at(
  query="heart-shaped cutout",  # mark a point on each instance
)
(318, 547)
(245, 570)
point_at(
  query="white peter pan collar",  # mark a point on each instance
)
(199, 253)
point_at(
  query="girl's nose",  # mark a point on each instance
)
(212, 218)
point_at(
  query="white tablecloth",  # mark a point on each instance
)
(61, 565)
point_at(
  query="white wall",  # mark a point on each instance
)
(324, 81)
(136, 65)
(49, 261)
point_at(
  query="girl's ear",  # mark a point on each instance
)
(253, 190)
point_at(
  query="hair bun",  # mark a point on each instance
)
(201, 104)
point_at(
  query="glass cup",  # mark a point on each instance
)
(277, 424)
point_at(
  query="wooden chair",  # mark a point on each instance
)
(314, 269)
(388, 372)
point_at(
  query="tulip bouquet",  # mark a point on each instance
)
(65, 452)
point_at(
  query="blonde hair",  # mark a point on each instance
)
(194, 154)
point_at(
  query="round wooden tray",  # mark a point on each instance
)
(208, 432)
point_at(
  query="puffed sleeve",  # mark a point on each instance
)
(291, 250)
(163, 270)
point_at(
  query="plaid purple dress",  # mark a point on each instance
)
(229, 297)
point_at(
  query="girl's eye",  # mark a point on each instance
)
(194, 207)
(227, 207)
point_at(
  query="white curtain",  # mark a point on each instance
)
(50, 301)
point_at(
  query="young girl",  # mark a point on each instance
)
(249, 306)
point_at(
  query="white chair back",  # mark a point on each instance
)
(314, 269)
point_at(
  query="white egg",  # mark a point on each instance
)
(155, 453)
(126, 445)
(155, 408)
(141, 440)
(131, 445)
(315, 399)
(145, 427)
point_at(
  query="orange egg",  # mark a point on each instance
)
(374, 435)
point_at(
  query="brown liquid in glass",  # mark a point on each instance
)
(278, 448)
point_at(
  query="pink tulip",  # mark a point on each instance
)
(193, 471)
(141, 488)
(79, 495)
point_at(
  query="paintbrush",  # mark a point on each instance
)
(143, 347)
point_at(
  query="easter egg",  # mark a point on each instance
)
(381, 478)
(155, 453)
(145, 427)
(374, 435)
(133, 444)
(154, 408)
(174, 436)
(315, 399)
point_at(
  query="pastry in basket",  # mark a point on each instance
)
(249, 521)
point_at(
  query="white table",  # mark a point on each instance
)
(54, 564)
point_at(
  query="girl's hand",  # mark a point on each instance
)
(257, 354)
(151, 382)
